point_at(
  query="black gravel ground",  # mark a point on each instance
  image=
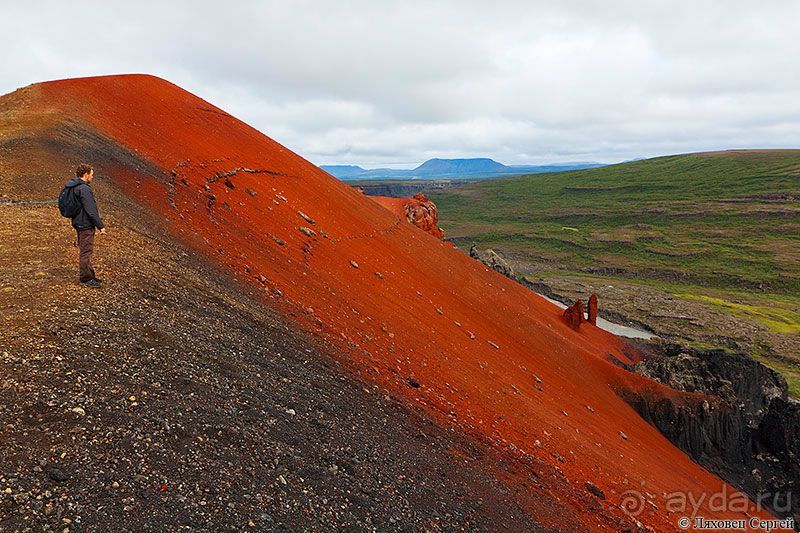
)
(172, 399)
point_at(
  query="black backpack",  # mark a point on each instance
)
(68, 203)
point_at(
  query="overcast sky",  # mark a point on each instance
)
(394, 83)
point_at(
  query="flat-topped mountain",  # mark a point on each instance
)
(438, 168)
(460, 166)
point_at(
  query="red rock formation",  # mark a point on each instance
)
(418, 210)
(574, 315)
(423, 213)
(593, 309)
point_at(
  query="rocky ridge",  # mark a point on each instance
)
(747, 429)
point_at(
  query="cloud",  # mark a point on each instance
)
(377, 83)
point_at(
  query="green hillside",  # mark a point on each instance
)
(728, 219)
(722, 224)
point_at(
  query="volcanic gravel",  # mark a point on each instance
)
(172, 399)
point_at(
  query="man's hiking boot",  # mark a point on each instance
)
(93, 283)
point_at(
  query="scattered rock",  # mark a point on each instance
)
(308, 231)
(411, 382)
(353, 264)
(306, 218)
(493, 260)
(57, 474)
(594, 489)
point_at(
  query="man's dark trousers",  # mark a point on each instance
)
(86, 247)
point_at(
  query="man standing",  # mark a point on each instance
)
(85, 222)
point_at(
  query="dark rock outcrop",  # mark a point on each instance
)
(747, 383)
(779, 431)
(740, 424)
(493, 260)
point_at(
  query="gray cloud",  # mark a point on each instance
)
(394, 83)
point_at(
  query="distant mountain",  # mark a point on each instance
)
(343, 171)
(478, 165)
(463, 169)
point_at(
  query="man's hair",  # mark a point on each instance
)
(83, 169)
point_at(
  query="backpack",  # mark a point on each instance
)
(68, 203)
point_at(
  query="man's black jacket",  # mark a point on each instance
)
(89, 216)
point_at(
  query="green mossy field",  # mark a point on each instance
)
(724, 219)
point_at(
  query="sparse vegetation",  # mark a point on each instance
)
(775, 318)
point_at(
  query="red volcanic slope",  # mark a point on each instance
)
(402, 305)
(418, 210)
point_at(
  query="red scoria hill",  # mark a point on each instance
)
(475, 350)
